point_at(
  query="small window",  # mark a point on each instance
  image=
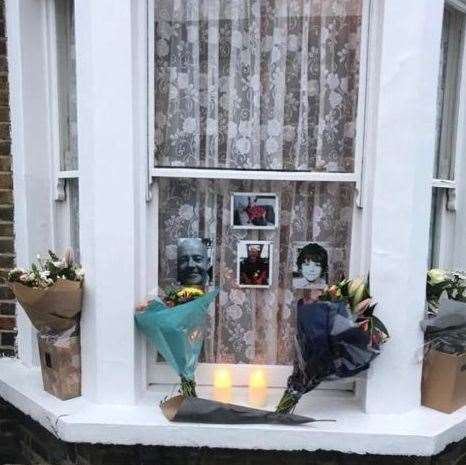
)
(449, 159)
(63, 99)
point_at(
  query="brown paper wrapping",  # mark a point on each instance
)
(60, 360)
(55, 308)
(444, 381)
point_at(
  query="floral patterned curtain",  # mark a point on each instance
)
(253, 325)
(255, 84)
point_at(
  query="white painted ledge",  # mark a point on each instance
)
(422, 432)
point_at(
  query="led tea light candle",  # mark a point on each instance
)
(258, 388)
(222, 384)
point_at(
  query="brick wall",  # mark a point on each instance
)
(7, 257)
(25, 442)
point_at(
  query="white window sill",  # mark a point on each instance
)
(421, 432)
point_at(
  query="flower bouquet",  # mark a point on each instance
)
(443, 377)
(451, 284)
(176, 327)
(50, 293)
(337, 337)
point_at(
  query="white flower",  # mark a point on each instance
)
(234, 312)
(186, 212)
(189, 125)
(437, 276)
(79, 273)
(58, 264)
(243, 145)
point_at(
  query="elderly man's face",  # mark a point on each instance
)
(193, 263)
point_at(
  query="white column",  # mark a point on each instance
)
(109, 162)
(30, 146)
(409, 66)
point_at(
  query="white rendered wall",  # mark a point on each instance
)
(402, 195)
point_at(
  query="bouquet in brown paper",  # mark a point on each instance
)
(50, 292)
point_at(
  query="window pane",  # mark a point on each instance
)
(73, 198)
(447, 101)
(66, 65)
(435, 219)
(257, 84)
(249, 325)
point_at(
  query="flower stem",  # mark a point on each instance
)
(287, 403)
(188, 387)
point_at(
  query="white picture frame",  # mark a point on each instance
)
(267, 200)
(266, 253)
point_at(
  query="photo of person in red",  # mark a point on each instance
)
(254, 264)
(251, 210)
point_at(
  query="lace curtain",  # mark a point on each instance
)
(255, 84)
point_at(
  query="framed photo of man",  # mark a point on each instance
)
(194, 261)
(254, 264)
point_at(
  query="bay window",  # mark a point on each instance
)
(311, 101)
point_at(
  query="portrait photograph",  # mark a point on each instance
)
(255, 264)
(194, 261)
(310, 265)
(251, 210)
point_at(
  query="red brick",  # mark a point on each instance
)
(5, 148)
(4, 115)
(4, 96)
(7, 323)
(5, 131)
(6, 182)
(6, 293)
(6, 229)
(7, 308)
(7, 261)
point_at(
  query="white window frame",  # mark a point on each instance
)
(445, 251)
(159, 373)
(62, 213)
